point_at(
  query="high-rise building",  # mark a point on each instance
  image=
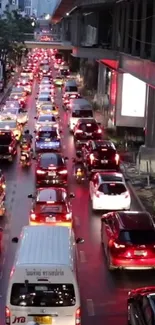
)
(21, 4)
(28, 7)
(13, 4)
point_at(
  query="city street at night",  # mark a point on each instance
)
(103, 294)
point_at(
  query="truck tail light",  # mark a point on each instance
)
(78, 317)
(7, 316)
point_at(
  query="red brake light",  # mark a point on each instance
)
(112, 243)
(63, 172)
(68, 216)
(7, 316)
(117, 158)
(99, 131)
(32, 216)
(78, 317)
(40, 172)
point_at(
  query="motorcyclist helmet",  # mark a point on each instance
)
(78, 155)
(27, 132)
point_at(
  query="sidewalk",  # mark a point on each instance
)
(12, 80)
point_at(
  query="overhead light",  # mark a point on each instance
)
(67, 13)
(47, 17)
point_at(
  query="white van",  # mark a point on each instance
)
(70, 87)
(43, 284)
(78, 108)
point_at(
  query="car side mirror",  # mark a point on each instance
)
(15, 240)
(34, 131)
(34, 158)
(127, 179)
(99, 124)
(35, 117)
(130, 300)
(60, 131)
(30, 196)
(72, 195)
(66, 158)
(79, 240)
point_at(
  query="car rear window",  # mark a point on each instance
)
(5, 138)
(104, 152)
(44, 118)
(82, 113)
(43, 207)
(71, 89)
(88, 127)
(47, 160)
(47, 135)
(137, 237)
(43, 295)
(44, 99)
(112, 188)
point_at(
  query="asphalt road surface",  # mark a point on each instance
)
(103, 294)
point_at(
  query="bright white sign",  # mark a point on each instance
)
(133, 96)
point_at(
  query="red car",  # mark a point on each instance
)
(51, 206)
(128, 239)
(51, 170)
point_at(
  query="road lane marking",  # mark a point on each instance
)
(3, 261)
(1, 275)
(77, 221)
(90, 307)
(82, 257)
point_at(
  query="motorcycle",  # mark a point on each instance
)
(25, 158)
(79, 172)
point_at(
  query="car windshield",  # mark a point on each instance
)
(5, 138)
(43, 207)
(82, 113)
(48, 108)
(112, 188)
(43, 294)
(44, 118)
(48, 160)
(8, 124)
(137, 237)
(88, 127)
(47, 135)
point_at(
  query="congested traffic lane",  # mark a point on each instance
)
(103, 294)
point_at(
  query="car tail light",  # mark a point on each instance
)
(99, 131)
(7, 316)
(68, 216)
(32, 216)
(112, 243)
(117, 158)
(97, 194)
(92, 158)
(63, 172)
(126, 194)
(78, 317)
(10, 148)
(40, 172)
(79, 131)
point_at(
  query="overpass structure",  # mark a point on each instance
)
(48, 45)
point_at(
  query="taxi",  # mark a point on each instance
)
(47, 109)
(15, 114)
(43, 99)
(51, 206)
(7, 123)
(58, 81)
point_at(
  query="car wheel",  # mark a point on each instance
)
(110, 267)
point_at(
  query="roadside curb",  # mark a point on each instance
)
(136, 196)
(9, 86)
(131, 187)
